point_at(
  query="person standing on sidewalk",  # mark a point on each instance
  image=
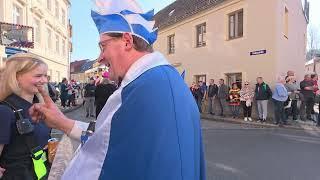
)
(280, 95)
(307, 90)
(262, 95)
(212, 92)
(246, 98)
(103, 91)
(234, 96)
(64, 92)
(223, 94)
(198, 96)
(293, 92)
(314, 78)
(89, 93)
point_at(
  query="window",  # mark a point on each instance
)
(236, 24)
(202, 78)
(36, 25)
(49, 38)
(49, 5)
(63, 16)
(57, 44)
(201, 35)
(58, 76)
(17, 14)
(56, 9)
(286, 22)
(63, 48)
(50, 73)
(171, 44)
(234, 78)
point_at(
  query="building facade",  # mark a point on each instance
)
(51, 31)
(236, 40)
(313, 66)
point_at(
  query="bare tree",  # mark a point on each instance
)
(313, 44)
(313, 39)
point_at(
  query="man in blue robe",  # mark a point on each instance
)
(149, 128)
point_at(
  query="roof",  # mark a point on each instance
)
(86, 66)
(181, 10)
(309, 62)
(76, 65)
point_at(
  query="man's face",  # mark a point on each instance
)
(220, 82)
(111, 55)
(307, 78)
(211, 81)
(259, 80)
(290, 73)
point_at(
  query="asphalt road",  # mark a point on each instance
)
(237, 152)
(246, 152)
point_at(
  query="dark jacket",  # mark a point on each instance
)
(102, 94)
(64, 91)
(212, 90)
(89, 90)
(306, 93)
(263, 92)
(223, 92)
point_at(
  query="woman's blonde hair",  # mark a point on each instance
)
(15, 65)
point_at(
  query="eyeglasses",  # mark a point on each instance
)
(104, 43)
(246, 84)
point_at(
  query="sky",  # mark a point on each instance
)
(85, 35)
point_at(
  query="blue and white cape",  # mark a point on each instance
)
(148, 130)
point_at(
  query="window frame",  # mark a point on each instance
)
(56, 9)
(171, 44)
(37, 26)
(63, 16)
(57, 42)
(49, 5)
(200, 31)
(17, 17)
(49, 38)
(235, 26)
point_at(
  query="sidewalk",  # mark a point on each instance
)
(79, 102)
(297, 125)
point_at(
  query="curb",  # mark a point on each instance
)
(256, 124)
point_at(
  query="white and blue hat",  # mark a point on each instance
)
(124, 16)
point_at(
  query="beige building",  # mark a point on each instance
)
(313, 66)
(236, 40)
(51, 31)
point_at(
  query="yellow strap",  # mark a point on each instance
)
(39, 166)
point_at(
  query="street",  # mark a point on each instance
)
(246, 152)
(237, 152)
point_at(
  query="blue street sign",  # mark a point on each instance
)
(253, 53)
(12, 51)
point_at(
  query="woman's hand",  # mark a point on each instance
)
(1, 172)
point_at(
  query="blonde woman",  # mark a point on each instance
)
(20, 79)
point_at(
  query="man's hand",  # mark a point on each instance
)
(50, 114)
(1, 172)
